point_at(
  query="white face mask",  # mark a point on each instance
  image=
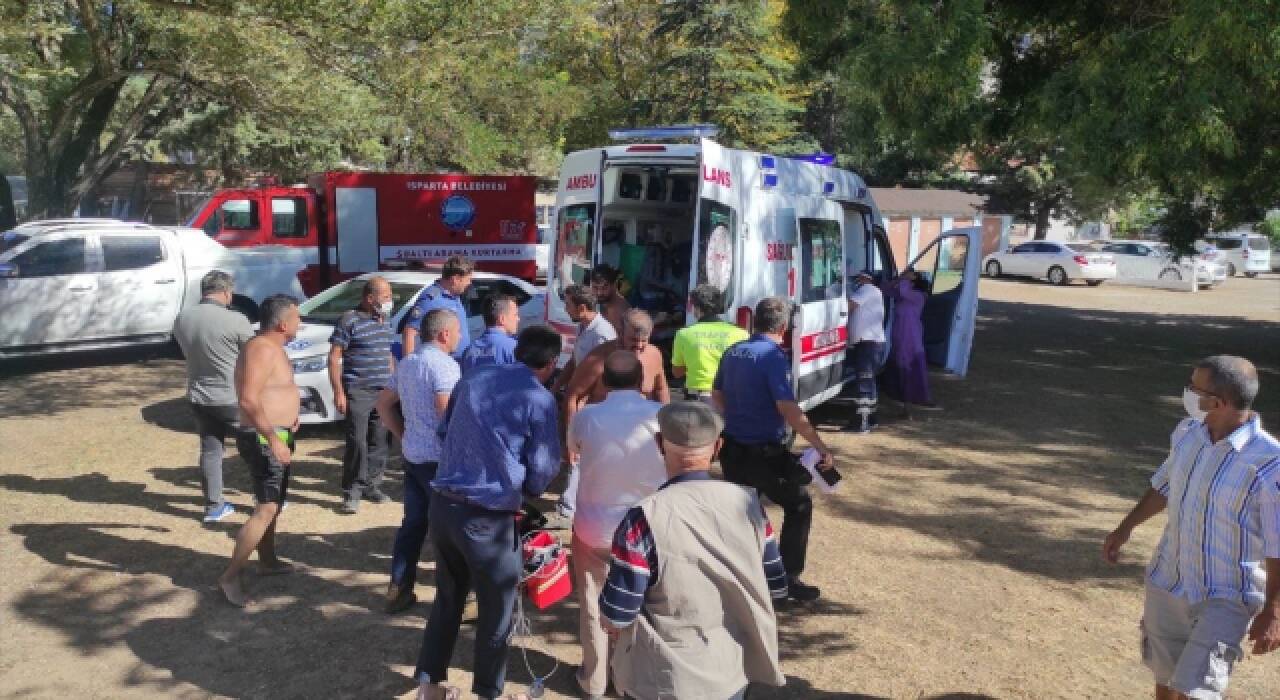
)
(1191, 402)
(385, 308)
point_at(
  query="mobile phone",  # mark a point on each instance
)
(831, 476)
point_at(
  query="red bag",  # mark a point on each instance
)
(546, 570)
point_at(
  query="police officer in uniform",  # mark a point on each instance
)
(752, 390)
(444, 293)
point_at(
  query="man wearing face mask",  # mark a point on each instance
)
(360, 367)
(1215, 576)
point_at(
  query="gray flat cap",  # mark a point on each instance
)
(689, 424)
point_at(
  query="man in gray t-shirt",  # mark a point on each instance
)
(593, 329)
(211, 336)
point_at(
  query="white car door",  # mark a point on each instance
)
(141, 285)
(952, 263)
(1018, 260)
(47, 290)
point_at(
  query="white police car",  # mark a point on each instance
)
(309, 352)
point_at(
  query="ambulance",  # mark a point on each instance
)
(672, 209)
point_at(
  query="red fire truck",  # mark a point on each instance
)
(361, 222)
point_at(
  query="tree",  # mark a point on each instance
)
(281, 84)
(1070, 106)
(719, 61)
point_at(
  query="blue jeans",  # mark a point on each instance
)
(407, 550)
(475, 549)
(864, 356)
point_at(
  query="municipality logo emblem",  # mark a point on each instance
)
(457, 212)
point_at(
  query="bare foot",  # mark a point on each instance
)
(233, 591)
(275, 568)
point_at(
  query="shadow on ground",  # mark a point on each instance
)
(1060, 405)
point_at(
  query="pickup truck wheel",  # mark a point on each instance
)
(245, 306)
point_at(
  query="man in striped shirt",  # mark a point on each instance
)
(693, 573)
(1215, 576)
(360, 367)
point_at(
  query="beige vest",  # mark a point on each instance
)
(707, 625)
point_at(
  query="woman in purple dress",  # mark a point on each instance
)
(907, 376)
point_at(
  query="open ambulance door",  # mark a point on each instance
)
(576, 244)
(951, 264)
(820, 324)
(717, 233)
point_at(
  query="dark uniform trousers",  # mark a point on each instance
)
(772, 470)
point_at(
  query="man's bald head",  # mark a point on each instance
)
(622, 370)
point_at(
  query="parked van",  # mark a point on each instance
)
(671, 216)
(1241, 251)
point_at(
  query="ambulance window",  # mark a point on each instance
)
(821, 260)
(574, 246)
(239, 215)
(717, 244)
(289, 217)
(653, 191)
(630, 185)
(681, 190)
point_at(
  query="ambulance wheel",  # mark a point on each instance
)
(993, 269)
(1231, 270)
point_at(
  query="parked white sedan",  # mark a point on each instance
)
(1150, 260)
(1058, 262)
(309, 352)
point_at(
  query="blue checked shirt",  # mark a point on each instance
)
(1224, 513)
(419, 378)
(501, 439)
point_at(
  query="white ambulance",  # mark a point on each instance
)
(674, 215)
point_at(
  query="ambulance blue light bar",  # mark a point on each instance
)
(666, 133)
(769, 180)
(818, 158)
(828, 187)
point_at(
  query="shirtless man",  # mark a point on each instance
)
(586, 386)
(268, 421)
(604, 283)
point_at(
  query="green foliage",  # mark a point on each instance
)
(641, 63)
(1270, 227)
(277, 85)
(1070, 107)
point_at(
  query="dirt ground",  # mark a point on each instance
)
(959, 560)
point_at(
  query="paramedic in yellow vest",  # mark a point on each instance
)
(697, 350)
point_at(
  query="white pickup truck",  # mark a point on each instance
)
(108, 284)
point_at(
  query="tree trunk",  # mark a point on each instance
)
(1043, 212)
(8, 212)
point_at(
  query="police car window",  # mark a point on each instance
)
(329, 305)
(130, 252)
(481, 290)
(51, 258)
(289, 217)
(1025, 248)
(12, 239)
(821, 260)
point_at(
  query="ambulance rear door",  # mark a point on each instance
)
(717, 239)
(576, 243)
(951, 265)
(820, 322)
